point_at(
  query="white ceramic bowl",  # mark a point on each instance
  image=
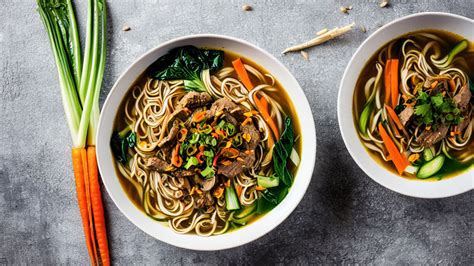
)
(247, 233)
(415, 188)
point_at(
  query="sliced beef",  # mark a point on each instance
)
(194, 99)
(430, 137)
(157, 164)
(171, 136)
(245, 161)
(464, 123)
(180, 173)
(180, 113)
(230, 119)
(463, 97)
(406, 115)
(254, 136)
(225, 105)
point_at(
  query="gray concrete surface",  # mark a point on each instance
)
(345, 217)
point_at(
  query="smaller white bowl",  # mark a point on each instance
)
(415, 188)
(251, 231)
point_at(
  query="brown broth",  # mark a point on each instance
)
(454, 168)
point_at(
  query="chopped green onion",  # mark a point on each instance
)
(230, 129)
(208, 172)
(191, 150)
(194, 138)
(192, 161)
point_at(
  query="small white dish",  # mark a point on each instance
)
(415, 188)
(249, 232)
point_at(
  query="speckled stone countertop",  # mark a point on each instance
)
(345, 217)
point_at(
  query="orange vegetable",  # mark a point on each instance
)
(97, 207)
(230, 152)
(242, 73)
(260, 188)
(387, 82)
(79, 163)
(394, 81)
(176, 160)
(238, 189)
(261, 102)
(182, 134)
(394, 117)
(434, 84)
(246, 121)
(452, 84)
(398, 159)
(199, 116)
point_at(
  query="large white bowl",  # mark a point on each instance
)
(415, 188)
(247, 233)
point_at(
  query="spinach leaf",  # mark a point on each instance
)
(121, 142)
(281, 152)
(187, 63)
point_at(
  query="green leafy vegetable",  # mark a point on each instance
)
(436, 109)
(187, 62)
(281, 152)
(121, 142)
(273, 195)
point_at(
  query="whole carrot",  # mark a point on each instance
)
(97, 207)
(79, 163)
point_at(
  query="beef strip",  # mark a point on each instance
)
(464, 123)
(194, 99)
(430, 137)
(254, 136)
(180, 113)
(245, 161)
(157, 164)
(225, 105)
(406, 115)
(180, 173)
(171, 136)
(230, 119)
(463, 97)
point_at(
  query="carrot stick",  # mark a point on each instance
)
(238, 190)
(394, 117)
(394, 81)
(266, 116)
(398, 159)
(261, 102)
(79, 163)
(97, 207)
(387, 82)
(242, 73)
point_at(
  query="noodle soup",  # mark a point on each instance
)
(206, 141)
(413, 105)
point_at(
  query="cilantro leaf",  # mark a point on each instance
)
(437, 100)
(423, 109)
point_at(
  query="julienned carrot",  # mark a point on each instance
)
(79, 157)
(242, 73)
(394, 117)
(398, 159)
(387, 82)
(261, 102)
(394, 81)
(97, 207)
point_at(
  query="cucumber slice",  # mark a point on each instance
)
(432, 167)
(427, 154)
(268, 181)
(246, 211)
(243, 221)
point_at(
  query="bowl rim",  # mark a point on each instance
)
(301, 178)
(424, 189)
